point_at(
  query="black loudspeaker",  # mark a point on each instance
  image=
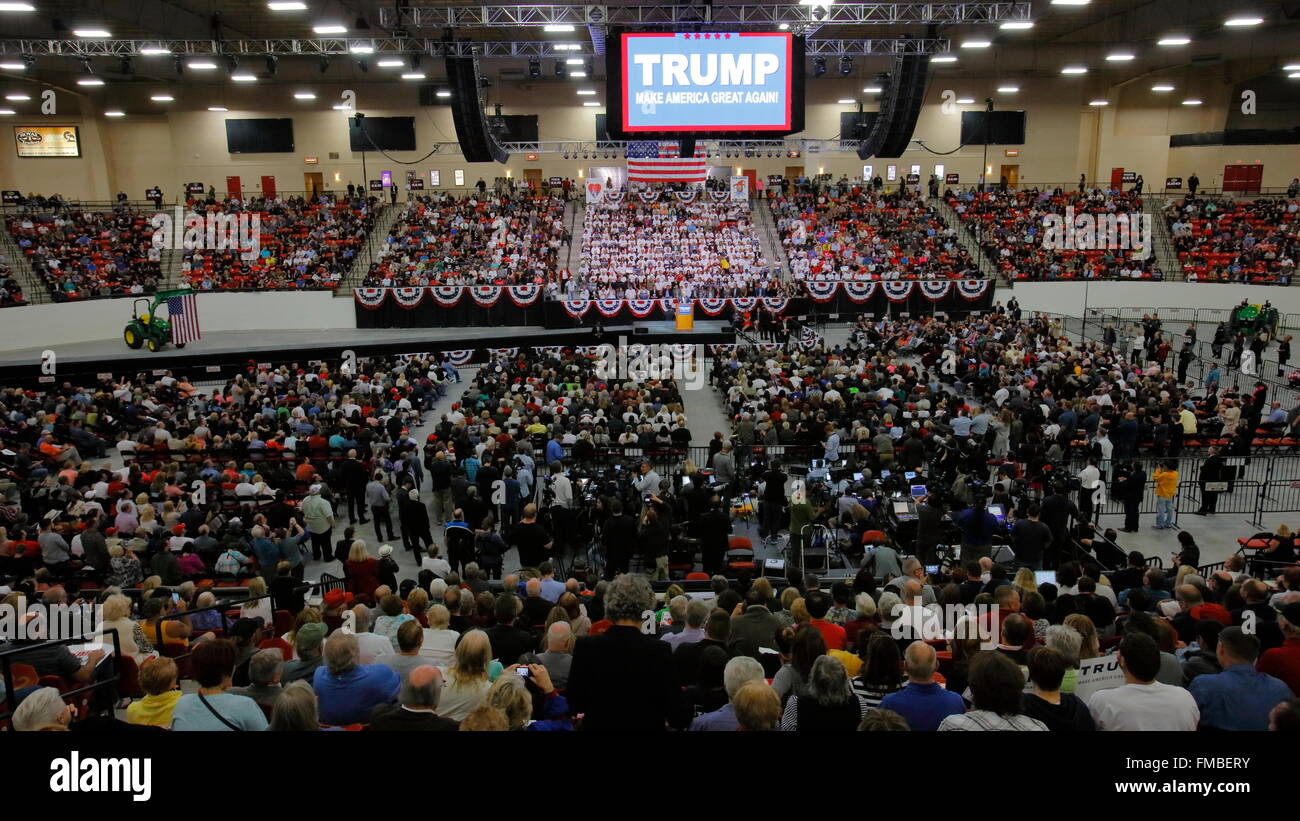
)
(477, 141)
(892, 131)
(687, 146)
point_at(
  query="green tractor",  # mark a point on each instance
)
(1251, 319)
(147, 329)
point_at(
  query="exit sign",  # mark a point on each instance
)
(311, 160)
(1013, 152)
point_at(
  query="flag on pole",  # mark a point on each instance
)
(654, 161)
(183, 313)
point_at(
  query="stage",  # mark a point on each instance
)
(222, 354)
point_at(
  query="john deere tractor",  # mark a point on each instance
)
(147, 329)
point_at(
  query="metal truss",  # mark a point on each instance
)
(397, 47)
(860, 14)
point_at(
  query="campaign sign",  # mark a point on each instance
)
(707, 81)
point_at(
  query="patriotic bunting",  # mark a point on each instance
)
(447, 295)
(897, 291)
(972, 289)
(822, 290)
(524, 295)
(370, 297)
(859, 291)
(408, 297)
(458, 358)
(935, 289)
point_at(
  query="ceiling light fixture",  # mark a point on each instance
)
(217, 108)
(17, 98)
(244, 78)
(288, 5)
(1070, 2)
(1174, 40)
(330, 28)
(390, 63)
(591, 105)
(442, 92)
(976, 44)
(91, 33)
(1017, 25)
(6, 111)
(846, 101)
(154, 51)
(1242, 22)
(943, 58)
(361, 48)
(1192, 101)
(11, 66)
(115, 113)
(872, 90)
(965, 101)
(201, 65)
(304, 95)
(1099, 102)
(1162, 87)
(162, 98)
(1120, 57)
(586, 92)
(90, 81)
(558, 28)
(17, 7)
(1074, 70)
(1008, 89)
(413, 75)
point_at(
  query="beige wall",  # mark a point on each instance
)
(184, 142)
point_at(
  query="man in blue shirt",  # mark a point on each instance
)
(923, 702)
(1239, 698)
(739, 671)
(554, 449)
(348, 690)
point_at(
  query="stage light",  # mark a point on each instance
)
(819, 66)
(560, 70)
(534, 67)
(272, 64)
(846, 65)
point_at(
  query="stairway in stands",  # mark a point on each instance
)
(771, 238)
(35, 291)
(1166, 254)
(575, 217)
(370, 251)
(966, 239)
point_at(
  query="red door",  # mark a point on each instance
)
(233, 188)
(753, 181)
(268, 187)
(1243, 179)
(1117, 178)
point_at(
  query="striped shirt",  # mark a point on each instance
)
(985, 720)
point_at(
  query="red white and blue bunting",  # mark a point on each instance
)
(547, 350)
(744, 303)
(712, 305)
(896, 291)
(371, 297)
(609, 307)
(408, 297)
(859, 291)
(577, 307)
(935, 289)
(485, 296)
(822, 290)
(447, 295)
(722, 349)
(775, 304)
(642, 308)
(972, 289)
(458, 358)
(524, 295)
(720, 196)
(508, 353)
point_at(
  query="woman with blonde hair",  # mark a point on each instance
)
(510, 695)
(1025, 581)
(261, 608)
(466, 682)
(116, 615)
(308, 615)
(296, 709)
(361, 571)
(1090, 648)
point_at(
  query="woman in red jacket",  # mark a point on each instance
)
(361, 572)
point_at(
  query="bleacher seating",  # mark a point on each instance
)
(1236, 241)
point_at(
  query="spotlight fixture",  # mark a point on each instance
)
(324, 64)
(85, 65)
(560, 69)
(534, 67)
(846, 65)
(414, 62)
(364, 65)
(819, 66)
(232, 63)
(272, 63)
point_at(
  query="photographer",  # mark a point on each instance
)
(977, 527)
(653, 538)
(647, 481)
(715, 533)
(617, 536)
(773, 501)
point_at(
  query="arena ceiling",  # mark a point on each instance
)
(1061, 34)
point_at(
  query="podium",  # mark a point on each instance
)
(686, 315)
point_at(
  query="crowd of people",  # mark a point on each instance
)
(640, 250)
(11, 290)
(1008, 226)
(867, 234)
(1235, 241)
(88, 254)
(302, 244)
(478, 239)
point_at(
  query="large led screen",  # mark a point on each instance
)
(730, 83)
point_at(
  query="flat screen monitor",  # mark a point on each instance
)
(918, 491)
(902, 508)
(1045, 576)
(719, 83)
(998, 512)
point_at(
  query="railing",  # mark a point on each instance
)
(9, 657)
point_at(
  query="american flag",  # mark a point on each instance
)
(654, 161)
(183, 313)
